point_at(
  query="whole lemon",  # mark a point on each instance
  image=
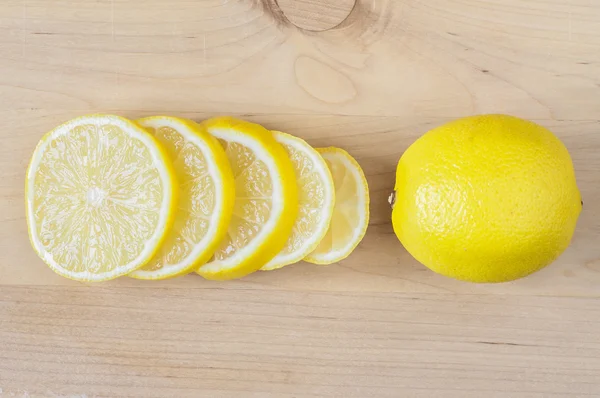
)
(488, 198)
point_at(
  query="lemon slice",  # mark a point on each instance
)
(206, 197)
(266, 202)
(351, 212)
(316, 198)
(100, 197)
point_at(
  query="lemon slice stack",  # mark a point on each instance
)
(163, 196)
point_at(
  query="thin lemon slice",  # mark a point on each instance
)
(100, 197)
(206, 197)
(266, 202)
(351, 212)
(316, 198)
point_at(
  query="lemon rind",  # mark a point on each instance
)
(220, 173)
(168, 205)
(276, 231)
(364, 201)
(326, 212)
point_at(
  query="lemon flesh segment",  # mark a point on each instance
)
(206, 197)
(100, 197)
(266, 203)
(350, 217)
(316, 199)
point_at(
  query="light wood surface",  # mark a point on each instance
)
(376, 325)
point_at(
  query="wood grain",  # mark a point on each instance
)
(376, 325)
(107, 342)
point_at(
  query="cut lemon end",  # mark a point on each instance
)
(206, 197)
(266, 203)
(350, 217)
(316, 199)
(100, 198)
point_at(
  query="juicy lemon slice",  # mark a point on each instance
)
(351, 212)
(206, 197)
(316, 195)
(100, 197)
(266, 202)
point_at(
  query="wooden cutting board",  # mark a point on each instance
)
(370, 77)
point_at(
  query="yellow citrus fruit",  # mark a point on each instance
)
(100, 197)
(266, 201)
(486, 198)
(206, 197)
(350, 217)
(316, 200)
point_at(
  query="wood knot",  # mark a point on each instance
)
(316, 15)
